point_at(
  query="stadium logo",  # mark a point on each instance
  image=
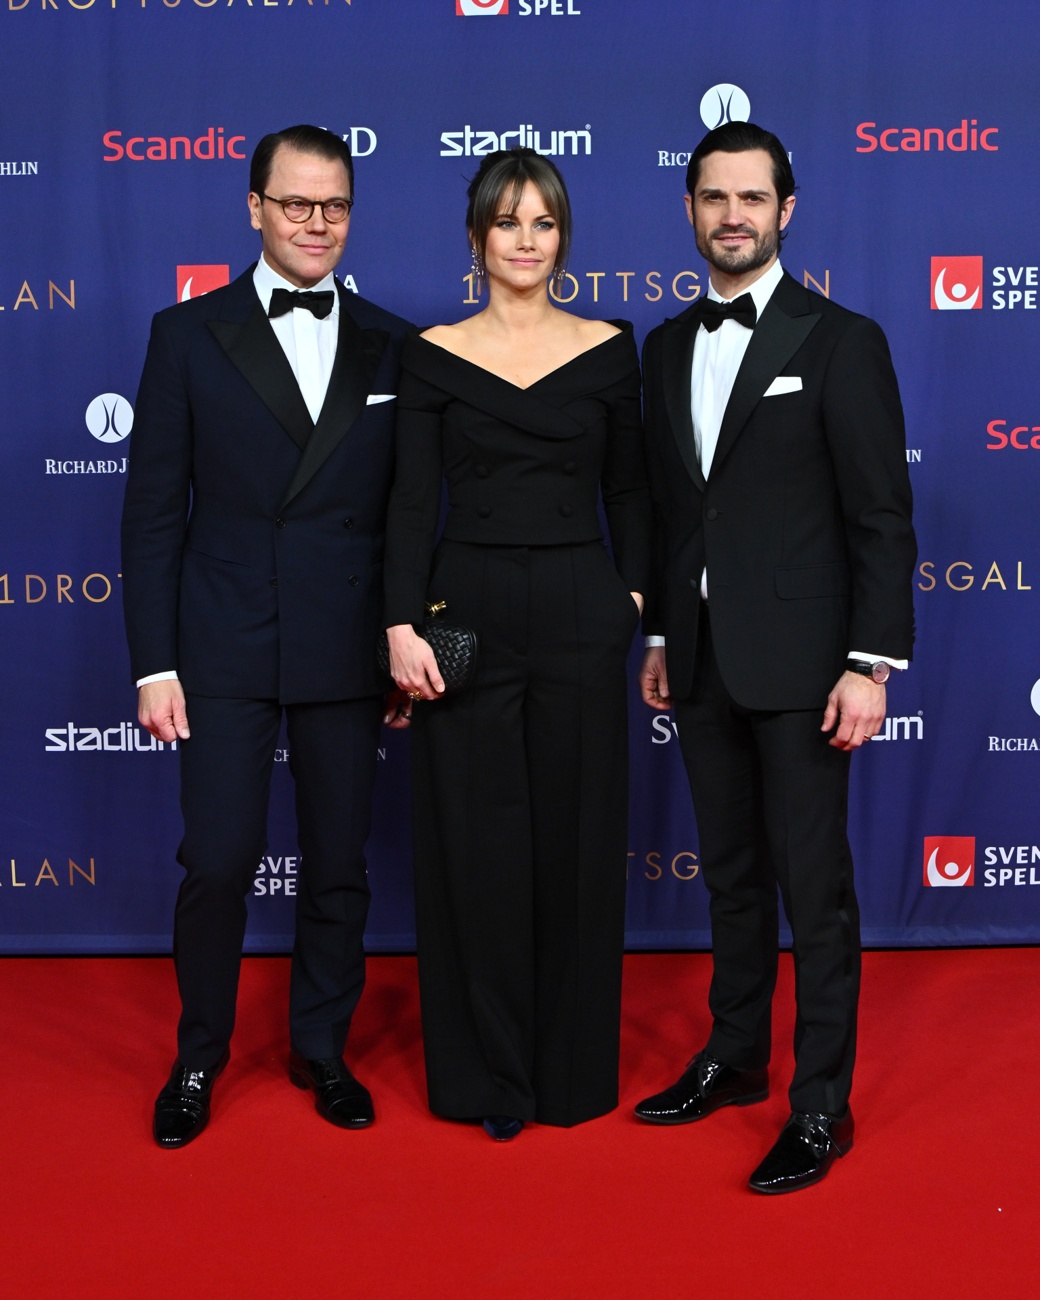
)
(480, 8)
(956, 283)
(471, 142)
(194, 281)
(724, 103)
(949, 860)
(109, 417)
(125, 737)
(911, 728)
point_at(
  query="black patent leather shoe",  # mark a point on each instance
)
(806, 1148)
(338, 1097)
(502, 1127)
(182, 1108)
(706, 1085)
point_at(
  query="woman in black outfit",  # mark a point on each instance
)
(530, 414)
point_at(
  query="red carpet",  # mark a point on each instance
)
(938, 1198)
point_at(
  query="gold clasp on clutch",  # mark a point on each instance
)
(438, 608)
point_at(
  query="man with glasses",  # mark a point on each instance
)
(252, 578)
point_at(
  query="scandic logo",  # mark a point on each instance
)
(194, 281)
(473, 8)
(949, 860)
(957, 283)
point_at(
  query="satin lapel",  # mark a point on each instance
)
(252, 347)
(358, 353)
(676, 366)
(785, 325)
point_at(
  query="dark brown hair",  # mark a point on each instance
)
(743, 137)
(498, 186)
(305, 139)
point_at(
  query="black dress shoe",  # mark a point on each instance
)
(804, 1151)
(338, 1097)
(502, 1127)
(705, 1086)
(182, 1108)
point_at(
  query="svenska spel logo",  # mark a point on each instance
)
(949, 860)
(956, 283)
(194, 281)
(475, 8)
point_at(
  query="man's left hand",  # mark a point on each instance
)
(397, 709)
(857, 706)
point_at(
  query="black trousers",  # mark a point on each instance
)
(226, 769)
(771, 798)
(520, 789)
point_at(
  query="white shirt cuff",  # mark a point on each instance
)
(157, 677)
(901, 664)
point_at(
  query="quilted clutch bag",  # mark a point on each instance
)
(453, 645)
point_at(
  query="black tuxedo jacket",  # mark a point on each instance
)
(252, 537)
(804, 520)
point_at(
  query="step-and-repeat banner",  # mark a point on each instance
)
(125, 134)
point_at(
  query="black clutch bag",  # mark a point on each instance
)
(454, 647)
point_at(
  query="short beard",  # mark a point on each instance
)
(766, 247)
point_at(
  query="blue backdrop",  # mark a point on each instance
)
(124, 142)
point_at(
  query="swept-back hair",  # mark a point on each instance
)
(742, 137)
(304, 139)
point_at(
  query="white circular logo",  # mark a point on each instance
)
(471, 7)
(110, 417)
(1034, 697)
(724, 103)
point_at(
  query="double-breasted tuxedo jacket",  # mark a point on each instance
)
(803, 525)
(252, 566)
(253, 537)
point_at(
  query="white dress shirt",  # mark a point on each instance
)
(309, 345)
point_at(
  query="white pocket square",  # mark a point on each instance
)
(781, 384)
(389, 397)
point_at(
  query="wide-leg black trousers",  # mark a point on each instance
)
(520, 796)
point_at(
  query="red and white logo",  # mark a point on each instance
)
(471, 8)
(194, 281)
(949, 860)
(956, 283)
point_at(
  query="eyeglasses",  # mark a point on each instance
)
(300, 210)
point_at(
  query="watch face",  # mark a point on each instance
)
(880, 672)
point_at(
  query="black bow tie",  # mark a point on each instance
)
(284, 300)
(741, 309)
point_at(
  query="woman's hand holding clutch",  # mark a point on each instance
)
(413, 665)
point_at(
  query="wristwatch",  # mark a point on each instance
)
(878, 671)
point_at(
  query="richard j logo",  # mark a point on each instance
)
(472, 8)
(949, 860)
(956, 283)
(194, 281)
(724, 103)
(109, 417)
